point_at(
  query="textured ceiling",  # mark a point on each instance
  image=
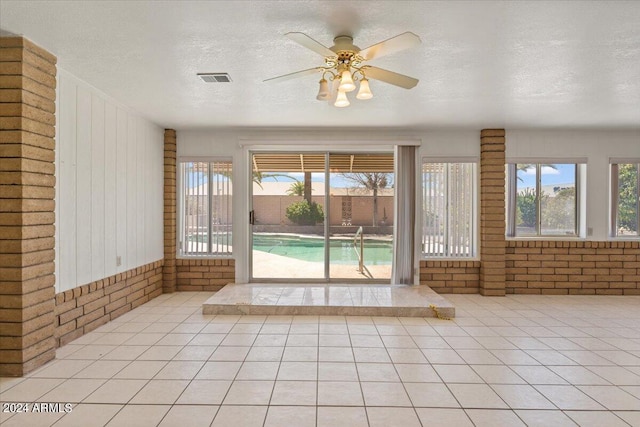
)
(481, 64)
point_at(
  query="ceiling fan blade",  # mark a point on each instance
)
(390, 77)
(293, 75)
(306, 41)
(394, 44)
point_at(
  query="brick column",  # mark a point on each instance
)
(492, 212)
(169, 269)
(27, 180)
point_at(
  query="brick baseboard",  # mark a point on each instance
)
(82, 309)
(548, 267)
(451, 277)
(204, 274)
(573, 267)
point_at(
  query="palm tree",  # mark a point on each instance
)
(371, 181)
(259, 176)
(296, 189)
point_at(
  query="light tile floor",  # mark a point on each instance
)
(513, 361)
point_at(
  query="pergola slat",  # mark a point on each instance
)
(314, 162)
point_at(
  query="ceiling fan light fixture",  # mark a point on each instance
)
(346, 81)
(344, 64)
(365, 91)
(342, 100)
(323, 91)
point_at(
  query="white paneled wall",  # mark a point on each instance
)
(109, 188)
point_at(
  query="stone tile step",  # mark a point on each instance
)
(329, 300)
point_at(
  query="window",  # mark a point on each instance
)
(625, 199)
(204, 208)
(448, 210)
(542, 199)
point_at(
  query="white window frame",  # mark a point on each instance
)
(613, 197)
(512, 188)
(180, 209)
(474, 233)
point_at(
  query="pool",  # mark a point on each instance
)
(376, 252)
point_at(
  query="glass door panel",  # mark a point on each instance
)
(361, 219)
(288, 206)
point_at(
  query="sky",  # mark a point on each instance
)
(562, 174)
(337, 181)
(315, 177)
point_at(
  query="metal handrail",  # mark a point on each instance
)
(360, 253)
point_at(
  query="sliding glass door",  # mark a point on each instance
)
(321, 216)
(361, 227)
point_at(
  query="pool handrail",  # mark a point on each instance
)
(360, 253)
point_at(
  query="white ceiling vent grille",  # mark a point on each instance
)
(215, 77)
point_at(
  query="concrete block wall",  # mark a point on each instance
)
(82, 309)
(272, 209)
(27, 180)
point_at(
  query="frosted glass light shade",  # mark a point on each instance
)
(342, 100)
(364, 92)
(346, 82)
(323, 91)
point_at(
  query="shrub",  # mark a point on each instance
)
(527, 208)
(303, 213)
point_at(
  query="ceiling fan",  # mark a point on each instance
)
(345, 65)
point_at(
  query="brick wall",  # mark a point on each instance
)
(548, 267)
(27, 130)
(204, 274)
(492, 212)
(82, 309)
(169, 272)
(451, 277)
(575, 267)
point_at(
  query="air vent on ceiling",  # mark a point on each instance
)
(215, 77)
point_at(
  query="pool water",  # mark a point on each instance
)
(376, 252)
